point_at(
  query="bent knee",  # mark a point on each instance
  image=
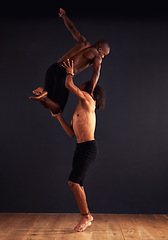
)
(73, 185)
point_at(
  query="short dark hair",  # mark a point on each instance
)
(101, 44)
(98, 94)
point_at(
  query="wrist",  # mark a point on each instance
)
(59, 117)
(72, 74)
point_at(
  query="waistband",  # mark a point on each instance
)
(87, 142)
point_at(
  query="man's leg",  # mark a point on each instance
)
(80, 196)
(47, 102)
(53, 106)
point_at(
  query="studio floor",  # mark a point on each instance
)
(55, 226)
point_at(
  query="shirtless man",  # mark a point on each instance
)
(55, 95)
(83, 127)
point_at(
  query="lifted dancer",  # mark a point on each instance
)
(55, 95)
(83, 127)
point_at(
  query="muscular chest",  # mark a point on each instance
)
(83, 118)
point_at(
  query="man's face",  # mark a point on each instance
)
(103, 52)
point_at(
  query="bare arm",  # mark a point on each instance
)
(96, 73)
(68, 129)
(71, 27)
(69, 84)
(69, 80)
(93, 55)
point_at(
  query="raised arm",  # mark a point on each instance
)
(67, 128)
(69, 80)
(71, 27)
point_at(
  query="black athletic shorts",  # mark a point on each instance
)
(84, 156)
(55, 84)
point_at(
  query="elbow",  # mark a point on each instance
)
(95, 76)
(96, 73)
(71, 27)
(71, 132)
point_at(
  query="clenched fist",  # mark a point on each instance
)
(62, 12)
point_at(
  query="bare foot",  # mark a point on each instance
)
(40, 96)
(84, 222)
(38, 91)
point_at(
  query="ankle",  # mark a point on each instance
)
(86, 215)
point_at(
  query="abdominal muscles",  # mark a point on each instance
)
(84, 126)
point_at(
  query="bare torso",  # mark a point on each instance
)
(82, 55)
(84, 119)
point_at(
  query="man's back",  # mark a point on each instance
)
(82, 55)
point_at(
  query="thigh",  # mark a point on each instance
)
(55, 85)
(60, 93)
(84, 156)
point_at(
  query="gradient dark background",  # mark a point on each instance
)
(130, 174)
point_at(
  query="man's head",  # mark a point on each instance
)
(98, 94)
(102, 47)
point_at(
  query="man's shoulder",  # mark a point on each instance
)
(91, 53)
(96, 54)
(93, 50)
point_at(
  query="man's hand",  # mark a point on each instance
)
(68, 67)
(62, 12)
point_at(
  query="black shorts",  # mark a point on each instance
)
(55, 85)
(84, 156)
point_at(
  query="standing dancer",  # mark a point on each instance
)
(55, 95)
(83, 127)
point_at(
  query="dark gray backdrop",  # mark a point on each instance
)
(130, 174)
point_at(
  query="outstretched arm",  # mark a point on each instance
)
(68, 129)
(71, 27)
